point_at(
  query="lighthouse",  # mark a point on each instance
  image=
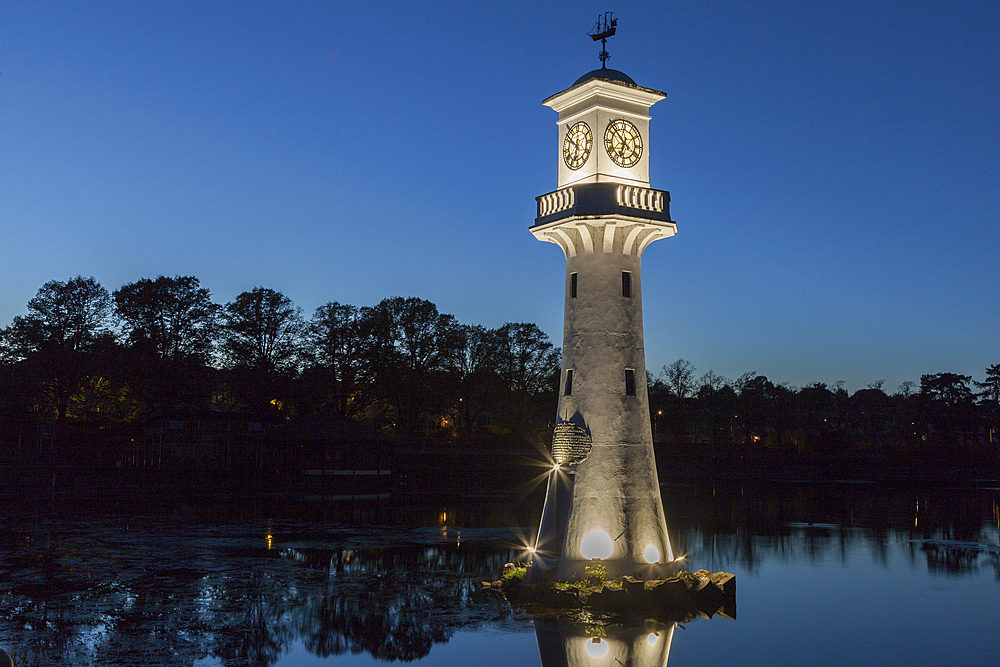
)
(603, 503)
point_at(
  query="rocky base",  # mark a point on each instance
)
(677, 598)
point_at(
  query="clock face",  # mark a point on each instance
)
(623, 143)
(576, 147)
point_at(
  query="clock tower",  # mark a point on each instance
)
(603, 499)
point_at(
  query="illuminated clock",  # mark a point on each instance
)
(576, 147)
(623, 143)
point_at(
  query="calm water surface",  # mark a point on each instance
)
(829, 574)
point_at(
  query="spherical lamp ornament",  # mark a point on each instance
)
(596, 544)
(652, 554)
(597, 648)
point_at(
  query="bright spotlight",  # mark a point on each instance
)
(531, 549)
(652, 639)
(597, 648)
(596, 544)
(652, 554)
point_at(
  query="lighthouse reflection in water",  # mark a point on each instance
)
(567, 644)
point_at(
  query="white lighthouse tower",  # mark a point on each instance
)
(603, 502)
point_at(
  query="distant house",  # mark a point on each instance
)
(202, 439)
(333, 442)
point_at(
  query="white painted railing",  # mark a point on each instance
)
(560, 200)
(641, 198)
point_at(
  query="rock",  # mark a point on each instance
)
(566, 598)
(705, 594)
(702, 578)
(609, 599)
(634, 587)
(726, 583)
(672, 592)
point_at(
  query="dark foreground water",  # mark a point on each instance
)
(828, 574)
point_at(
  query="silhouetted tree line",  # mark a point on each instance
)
(162, 346)
(947, 418)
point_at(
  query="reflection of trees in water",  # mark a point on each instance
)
(172, 595)
(163, 593)
(723, 526)
(395, 603)
(393, 630)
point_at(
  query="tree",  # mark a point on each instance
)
(947, 402)
(261, 342)
(529, 367)
(715, 407)
(755, 400)
(818, 416)
(991, 388)
(481, 383)
(870, 415)
(174, 318)
(340, 366)
(170, 326)
(989, 399)
(679, 386)
(949, 389)
(679, 378)
(66, 322)
(712, 380)
(419, 351)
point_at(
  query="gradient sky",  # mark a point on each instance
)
(833, 167)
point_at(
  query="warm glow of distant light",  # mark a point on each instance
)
(531, 550)
(679, 558)
(596, 544)
(597, 648)
(555, 467)
(652, 554)
(270, 541)
(652, 639)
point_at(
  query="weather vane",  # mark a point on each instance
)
(604, 28)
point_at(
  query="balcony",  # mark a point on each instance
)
(603, 199)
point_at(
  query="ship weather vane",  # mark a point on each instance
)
(604, 28)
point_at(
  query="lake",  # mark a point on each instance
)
(827, 574)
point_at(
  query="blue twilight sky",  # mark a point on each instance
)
(833, 166)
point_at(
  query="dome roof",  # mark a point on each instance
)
(607, 75)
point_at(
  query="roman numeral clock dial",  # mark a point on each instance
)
(576, 147)
(623, 143)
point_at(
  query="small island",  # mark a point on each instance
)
(678, 598)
